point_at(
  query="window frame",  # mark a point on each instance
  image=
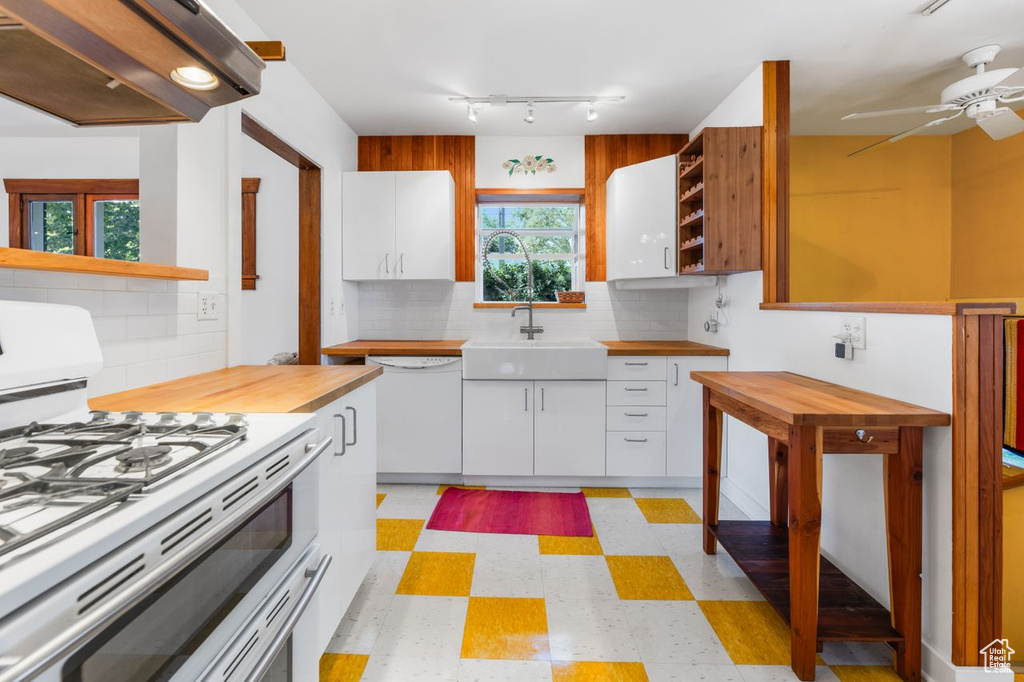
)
(83, 193)
(577, 260)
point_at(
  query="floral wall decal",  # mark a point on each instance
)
(530, 165)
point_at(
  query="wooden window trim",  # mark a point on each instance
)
(250, 187)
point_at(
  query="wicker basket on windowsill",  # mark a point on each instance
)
(570, 296)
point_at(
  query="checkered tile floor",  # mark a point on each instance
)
(640, 601)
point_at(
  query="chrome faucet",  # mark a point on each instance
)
(529, 329)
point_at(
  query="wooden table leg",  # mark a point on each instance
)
(903, 492)
(778, 483)
(712, 467)
(805, 443)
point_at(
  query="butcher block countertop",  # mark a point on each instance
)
(363, 348)
(245, 388)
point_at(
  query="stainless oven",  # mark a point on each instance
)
(217, 592)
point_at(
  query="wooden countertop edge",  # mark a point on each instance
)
(123, 400)
(362, 349)
(901, 307)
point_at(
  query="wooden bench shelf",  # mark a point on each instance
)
(24, 259)
(691, 169)
(846, 613)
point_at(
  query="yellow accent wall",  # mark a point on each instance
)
(988, 216)
(844, 243)
(1013, 559)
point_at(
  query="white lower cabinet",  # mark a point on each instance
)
(569, 423)
(685, 406)
(497, 428)
(636, 453)
(348, 502)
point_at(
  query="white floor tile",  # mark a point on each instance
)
(577, 577)
(402, 507)
(857, 653)
(508, 545)
(673, 632)
(674, 672)
(680, 539)
(386, 572)
(361, 624)
(408, 490)
(715, 577)
(502, 575)
(589, 630)
(429, 627)
(471, 670)
(404, 669)
(630, 539)
(782, 673)
(615, 510)
(446, 541)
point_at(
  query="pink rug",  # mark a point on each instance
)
(512, 512)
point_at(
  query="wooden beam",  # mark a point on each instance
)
(267, 50)
(775, 182)
(309, 266)
(76, 186)
(257, 132)
(250, 187)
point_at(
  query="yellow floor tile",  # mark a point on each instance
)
(560, 544)
(750, 631)
(647, 577)
(506, 628)
(442, 488)
(606, 492)
(593, 671)
(667, 510)
(342, 667)
(380, 498)
(398, 534)
(438, 574)
(865, 673)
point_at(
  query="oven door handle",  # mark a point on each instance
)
(316, 576)
(33, 664)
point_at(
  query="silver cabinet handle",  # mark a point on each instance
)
(542, 400)
(637, 390)
(387, 270)
(526, 399)
(355, 425)
(401, 263)
(677, 373)
(636, 414)
(316, 576)
(635, 440)
(636, 364)
(344, 436)
(666, 258)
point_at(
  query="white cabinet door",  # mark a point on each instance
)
(368, 250)
(612, 229)
(420, 430)
(644, 227)
(425, 225)
(685, 404)
(569, 419)
(348, 502)
(497, 428)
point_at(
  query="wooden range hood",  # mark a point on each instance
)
(108, 62)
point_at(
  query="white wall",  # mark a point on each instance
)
(270, 312)
(743, 107)
(566, 152)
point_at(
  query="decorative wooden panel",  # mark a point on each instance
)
(605, 153)
(250, 186)
(775, 183)
(454, 153)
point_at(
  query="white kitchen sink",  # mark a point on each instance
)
(538, 359)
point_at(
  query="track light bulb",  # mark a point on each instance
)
(529, 112)
(471, 112)
(591, 112)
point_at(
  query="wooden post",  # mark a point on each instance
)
(712, 469)
(778, 483)
(804, 546)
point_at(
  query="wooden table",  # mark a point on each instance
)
(804, 418)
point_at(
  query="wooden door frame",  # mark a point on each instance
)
(310, 189)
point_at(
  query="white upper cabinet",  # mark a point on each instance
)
(399, 225)
(640, 220)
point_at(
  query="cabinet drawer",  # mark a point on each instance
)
(636, 392)
(636, 418)
(638, 453)
(645, 368)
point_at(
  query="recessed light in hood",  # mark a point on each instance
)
(194, 78)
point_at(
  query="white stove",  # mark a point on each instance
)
(114, 526)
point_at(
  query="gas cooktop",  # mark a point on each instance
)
(52, 475)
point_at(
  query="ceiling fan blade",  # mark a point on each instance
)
(929, 109)
(1014, 81)
(1002, 124)
(907, 133)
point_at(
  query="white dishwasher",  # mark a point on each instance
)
(419, 415)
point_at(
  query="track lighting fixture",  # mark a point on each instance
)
(529, 112)
(591, 112)
(471, 112)
(474, 104)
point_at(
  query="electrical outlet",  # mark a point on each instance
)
(207, 306)
(854, 328)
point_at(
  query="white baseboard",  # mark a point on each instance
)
(419, 478)
(747, 504)
(937, 668)
(585, 481)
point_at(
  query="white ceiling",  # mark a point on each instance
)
(389, 66)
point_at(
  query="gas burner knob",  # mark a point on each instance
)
(132, 417)
(167, 419)
(203, 419)
(100, 417)
(236, 419)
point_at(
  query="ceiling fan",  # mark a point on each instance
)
(979, 96)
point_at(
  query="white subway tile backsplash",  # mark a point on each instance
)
(163, 304)
(124, 353)
(125, 303)
(20, 294)
(107, 380)
(45, 280)
(90, 300)
(109, 329)
(143, 373)
(103, 282)
(165, 347)
(146, 326)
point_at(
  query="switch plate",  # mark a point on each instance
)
(207, 309)
(855, 330)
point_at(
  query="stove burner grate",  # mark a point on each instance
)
(144, 458)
